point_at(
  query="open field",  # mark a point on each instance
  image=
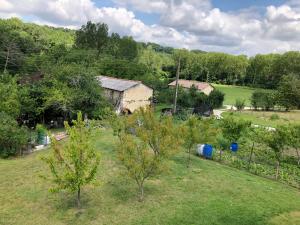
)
(207, 193)
(234, 92)
(264, 118)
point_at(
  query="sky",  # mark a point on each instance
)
(233, 26)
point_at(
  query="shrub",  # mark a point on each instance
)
(165, 95)
(240, 104)
(12, 137)
(263, 100)
(216, 99)
(274, 117)
(41, 133)
(191, 98)
(233, 129)
(288, 92)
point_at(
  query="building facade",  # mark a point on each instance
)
(126, 95)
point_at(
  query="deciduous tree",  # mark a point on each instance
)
(145, 145)
(73, 164)
(277, 140)
(192, 135)
(92, 35)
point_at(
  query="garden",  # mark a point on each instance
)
(186, 189)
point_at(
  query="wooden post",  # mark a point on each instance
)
(176, 90)
(251, 153)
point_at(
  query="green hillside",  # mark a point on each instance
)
(44, 34)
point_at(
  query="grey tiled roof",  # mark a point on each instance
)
(116, 84)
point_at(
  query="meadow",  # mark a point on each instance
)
(267, 118)
(236, 92)
(205, 193)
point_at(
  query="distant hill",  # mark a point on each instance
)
(55, 35)
(40, 33)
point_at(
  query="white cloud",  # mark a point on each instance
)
(182, 23)
(283, 23)
(6, 5)
(156, 6)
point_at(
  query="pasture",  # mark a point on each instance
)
(234, 92)
(267, 118)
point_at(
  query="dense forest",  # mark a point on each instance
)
(28, 48)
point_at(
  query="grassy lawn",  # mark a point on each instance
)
(233, 92)
(207, 193)
(264, 118)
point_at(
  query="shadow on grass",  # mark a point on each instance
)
(65, 206)
(124, 189)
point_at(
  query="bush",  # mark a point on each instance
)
(191, 98)
(274, 117)
(288, 92)
(41, 133)
(164, 95)
(239, 104)
(12, 137)
(263, 100)
(216, 99)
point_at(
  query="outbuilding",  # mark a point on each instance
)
(204, 87)
(126, 95)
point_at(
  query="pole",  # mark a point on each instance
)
(176, 90)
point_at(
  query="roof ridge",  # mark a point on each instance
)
(189, 83)
(194, 81)
(138, 81)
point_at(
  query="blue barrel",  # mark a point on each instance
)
(234, 147)
(207, 151)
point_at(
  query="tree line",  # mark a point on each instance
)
(22, 45)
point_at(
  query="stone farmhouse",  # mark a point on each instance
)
(126, 95)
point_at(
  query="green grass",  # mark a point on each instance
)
(264, 118)
(234, 92)
(207, 193)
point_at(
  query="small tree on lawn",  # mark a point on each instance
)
(191, 132)
(197, 131)
(239, 104)
(74, 163)
(277, 140)
(254, 135)
(145, 145)
(232, 129)
(222, 144)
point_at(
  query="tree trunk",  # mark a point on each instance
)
(251, 153)
(6, 61)
(277, 170)
(189, 159)
(176, 88)
(78, 198)
(141, 186)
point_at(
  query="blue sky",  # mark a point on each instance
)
(231, 5)
(224, 5)
(234, 26)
